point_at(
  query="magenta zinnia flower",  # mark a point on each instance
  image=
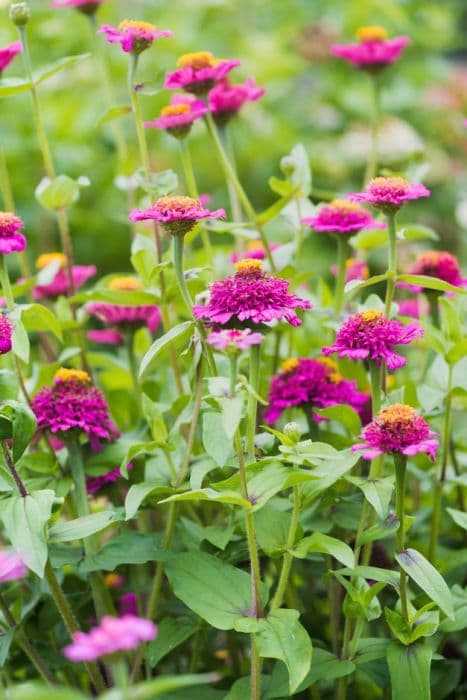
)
(8, 53)
(60, 285)
(106, 336)
(11, 241)
(199, 72)
(12, 566)
(226, 100)
(374, 51)
(436, 263)
(96, 483)
(354, 270)
(133, 35)
(413, 308)
(251, 296)
(234, 340)
(127, 604)
(178, 215)
(343, 217)
(177, 118)
(6, 331)
(371, 335)
(397, 428)
(87, 7)
(114, 634)
(72, 406)
(390, 193)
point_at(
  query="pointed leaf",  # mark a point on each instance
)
(428, 578)
(409, 669)
(175, 337)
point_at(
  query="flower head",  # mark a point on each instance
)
(112, 635)
(397, 428)
(12, 566)
(8, 53)
(234, 340)
(374, 50)
(177, 214)
(11, 241)
(96, 483)
(413, 308)
(6, 331)
(87, 7)
(60, 285)
(72, 406)
(251, 296)
(372, 335)
(226, 100)
(343, 217)
(254, 250)
(133, 35)
(127, 604)
(390, 193)
(354, 270)
(436, 263)
(198, 72)
(177, 117)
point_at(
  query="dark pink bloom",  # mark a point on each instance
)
(178, 117)
(397, 428)
(308, 383)
(343, 217)
(6, 330)
(96, 483)
(72, 406)
(177, 214)
(414, 308)
(60, 285)
(114, 634)
(374, 51)
(390, 193)
(87, 7)
(371, 335)
(11, 241)
(133, 35)
(199, 72)
(107, 336)
(354, 270)
(127, 604)
(234, 339)
(125, 316)
(11, 566)
(254, 250)
(226, 100)
(8, 53)
(251, 296)
(436, 263)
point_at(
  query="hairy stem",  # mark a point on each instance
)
(400, 465)
(342, 255)
(392, 263)
(372, 164)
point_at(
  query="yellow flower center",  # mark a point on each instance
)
(72, 375)
(173, 110)
(254, 245)
(344, 205)
(290, 364)
(248, 265)
(197, 60)
(397, 413)
(125, 284)
(388, 183)
(179, 203)
(333, 375)
(136, 24)
(47, 258)
(6, 218)
(431, 258)
(364, 272)
(112, 580)
(367, 34)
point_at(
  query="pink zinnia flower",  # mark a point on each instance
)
(178, 215)
(6, 330)
(226, 100)
(234, 340)
(133, 35)
(436, 263)
(114, 634)
(96, 483)
(72, 406)
(251, 296)
(60, 285)
(397, 428)
(11, 241)
(127, 604)
(342, 217)
(371, 335)
(254, 250)
(413, 308)
(87, 7)
(107, 336)
(354, 270)
(199, 72)
(390, 193)
(8, 53)
(308, 383)
(12, 566)
(177, 118)
(374, 51)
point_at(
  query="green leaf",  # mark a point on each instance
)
(428, 578)
(38, 691)
(318, 542)
(37, 317)
(379, 531)
(275, 209)
(231, 411)
(83, 527)
(417, 232)
(367, 239)
(450, 320)
(128, 548)
(175, 337)
(54, 68)
(457, 352)
(13, 86)
(343, 414)
(409, 669)
(157, 184)
(171, 632)
(207, 494)
(159, 686)
(60, 193)
(113, 113)
(6, 638)
(459, 517)
(138, 492)
(20, 339)
(22, 426)
(281, 636)
(215, 441)
(355, 286)
(376, 491)
(373, 573)
(326, 667)
(272, 530)
(431, 283)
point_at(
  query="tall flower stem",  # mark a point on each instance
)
(287, 557)
(400, 465)
(129, 342)
(372, 164)
(432, 296)
(9, 203)
(342, 255)
(255, 357)
(193, 191)
(225, 135)
(392, 262)
(242, 195)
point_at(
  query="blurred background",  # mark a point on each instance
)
(311, 97)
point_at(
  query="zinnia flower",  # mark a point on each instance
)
(308, 383)
(371, 335)
(87, 7)
(96, 483)
(234, 340)
(72, 406)
(354, 270)
(390, 193)
(178, 215)
(127, 604)
(226, 100)
(8, 53)
(133, 35)
(177, 118)
(254, 250)
(251, 296)
(12, 566)
(397, 428)
(436, 263)
(6, 331)
(199, 72)
(11, 241)
(60, 285)
(342, 217)
(112, 635)
(374, 50)
(414, 308)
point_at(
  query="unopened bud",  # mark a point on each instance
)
(20, 13)
(292, 430)
(287, 166)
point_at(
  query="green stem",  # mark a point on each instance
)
(375, 380)
(233, 358)
(400, 465)
(120, 674)
(255, 357)
(132, 363)
(136, 106)
(225, 135)
(392, 262)
(342, 255)
(433, 300)
(372, 164)
(287, 556)
(5, 284)
(193, 192)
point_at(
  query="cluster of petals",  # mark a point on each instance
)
(373, 50)
(12, 566)
(60, 285)
(127, 604)
(436, 263)
(397, 428)
(226, 99)
(354, 270)
(11, 240)
(309, 382)
(251, 296)
(199, 72)
(88, 7)
(112, 635)
(133, 35)
(177, 214)
(371, 335)
(96, 483)
(8, 53)
(178, 116)
(6, 332)
(343, 217)
(390, 193)
(233, 339)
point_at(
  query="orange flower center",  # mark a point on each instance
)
(368, 34)
(248, 265)
(136, 24)
(344, 205)
(179, 203)
(197, 60)
(173, 110)
(290, 364)
(388, 183)
(72, 375)
(254, 245)
(48, 258)
(125, 284)
(333, 375)
(431, 258)
(112, 580)
(6, 218)
(371, 315)
(397, 413)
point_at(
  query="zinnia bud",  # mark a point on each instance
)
(20, 13)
